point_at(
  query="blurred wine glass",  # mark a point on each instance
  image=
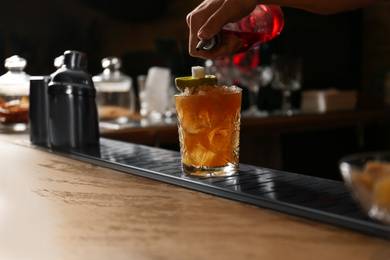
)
(250, 74)
(287, 78)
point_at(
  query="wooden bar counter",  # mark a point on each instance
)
(52, 207)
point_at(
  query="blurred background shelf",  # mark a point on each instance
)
(307, 143)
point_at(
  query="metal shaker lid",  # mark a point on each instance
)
(72, 78)
(75, 60)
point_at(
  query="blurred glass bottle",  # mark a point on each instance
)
(262, 25)
(115, 92)
(59, 61)
(14, 95)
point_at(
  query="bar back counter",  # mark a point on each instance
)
(310, 144)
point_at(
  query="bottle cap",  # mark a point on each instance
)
(207, 44)
(15, 62)
(59, 61)
(111, 63)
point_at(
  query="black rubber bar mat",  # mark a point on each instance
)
(313, 198)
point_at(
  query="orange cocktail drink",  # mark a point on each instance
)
(209, 130)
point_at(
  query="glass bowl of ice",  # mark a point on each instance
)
(367, 176)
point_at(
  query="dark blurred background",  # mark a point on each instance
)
(348, 51)
(345, 50)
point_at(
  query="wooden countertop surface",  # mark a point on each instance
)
(53, 207)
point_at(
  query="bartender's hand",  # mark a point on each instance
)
(207, 20)
(210, 16)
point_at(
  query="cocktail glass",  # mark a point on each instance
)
(209, 130)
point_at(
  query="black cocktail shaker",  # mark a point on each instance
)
(73, 117)
(39, 111)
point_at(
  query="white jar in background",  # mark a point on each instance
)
(14, 95)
